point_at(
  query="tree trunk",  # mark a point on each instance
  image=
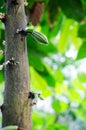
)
(16, 107)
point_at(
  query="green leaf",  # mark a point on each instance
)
(77, 82)
(31, 2)
(2, 6)
(63, 41)
(1, 76)
(48, 75)
(59, 76)
(84, 4)
(36, 61)
(38, 119)
(43, 50)
(56, 105)
(56, 126)
(38, 83)
(82, 51)
(60, 88)
(82, 77)
(81, 110)
(53, 13)
(72, 9)
(59, 106)
(82, 31)
(74, 95)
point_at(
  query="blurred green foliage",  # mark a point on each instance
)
(58, 70)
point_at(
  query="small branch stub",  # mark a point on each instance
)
(2, 108)
(20, 128)
(12, 61)
(1, 52)
(25, 3)
(9, 62)
(34, 96)
(22, 32)
(3, 17)
(4, 43)
(33, 103)
(31, 95)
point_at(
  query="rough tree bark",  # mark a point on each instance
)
(16, 106)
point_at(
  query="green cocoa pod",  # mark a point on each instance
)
(39, 37)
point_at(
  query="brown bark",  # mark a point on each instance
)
(16, 107)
